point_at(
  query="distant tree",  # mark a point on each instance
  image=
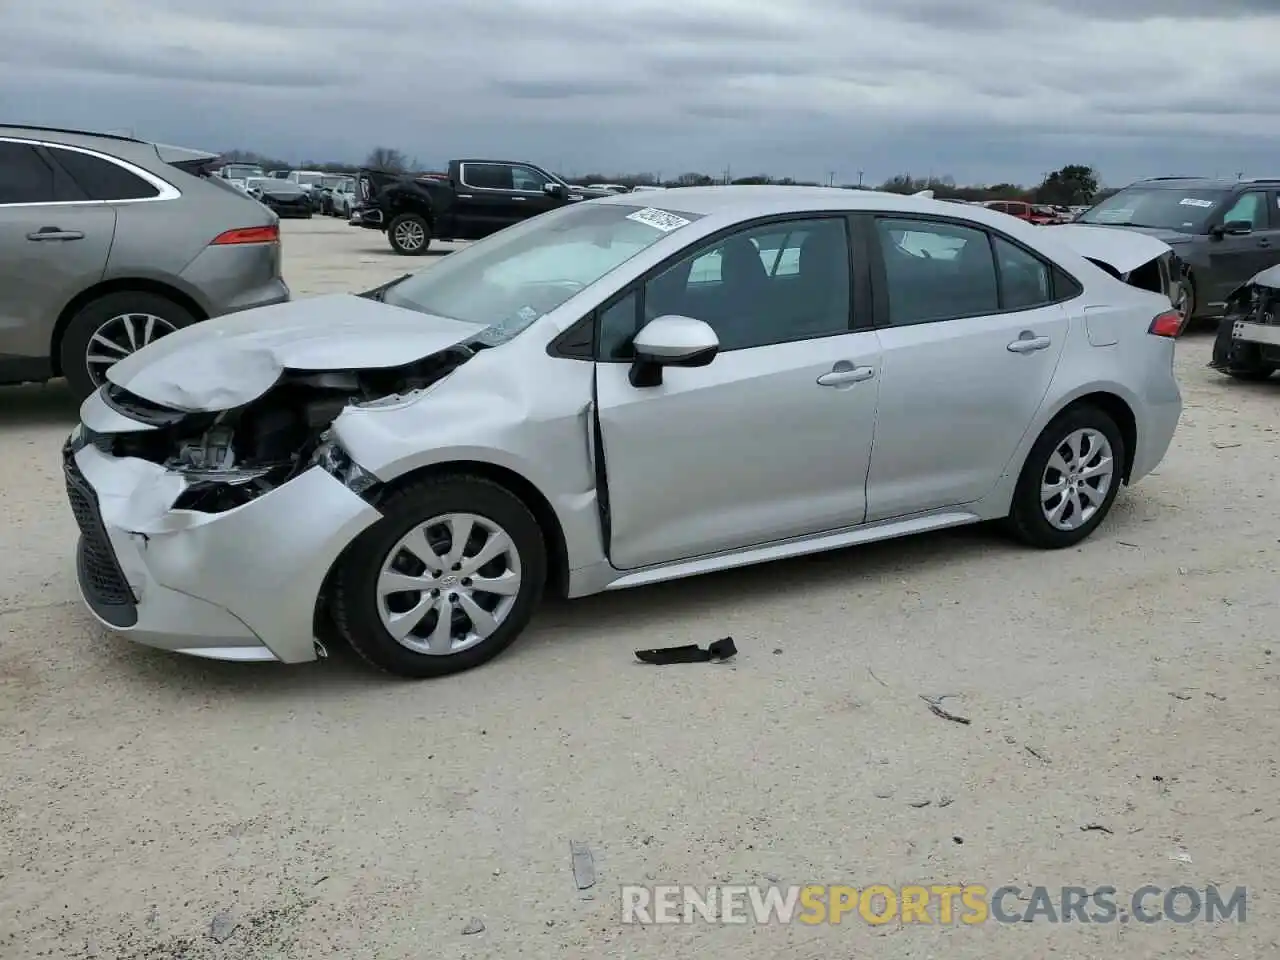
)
(757, 180)
(1074, 184)
(694, 180)
(388, 159)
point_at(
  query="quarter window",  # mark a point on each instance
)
(101, 179)
(765, 285)
(1025, 280)
(25, 177)
(936, 271)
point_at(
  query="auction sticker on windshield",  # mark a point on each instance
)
(659, 219)
(1193, 202)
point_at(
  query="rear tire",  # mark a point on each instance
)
(1186, 303)
(1252, 374)
(409, 234)
(1042, 517)
(428, 513)
(112, 316)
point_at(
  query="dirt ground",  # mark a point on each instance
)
(1129, 684)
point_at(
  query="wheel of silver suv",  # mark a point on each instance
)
(446, 580)
(106, 330)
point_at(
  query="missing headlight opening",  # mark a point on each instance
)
(230, 458)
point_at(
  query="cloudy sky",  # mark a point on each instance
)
(984, 91)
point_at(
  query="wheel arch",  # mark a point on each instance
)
(511, 480)
(1118, 409)
(116, 285)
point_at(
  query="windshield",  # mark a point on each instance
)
(310, 179)
(507, 281)
(1161, 207)
(238, 171)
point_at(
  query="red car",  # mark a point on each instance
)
(1022, 210)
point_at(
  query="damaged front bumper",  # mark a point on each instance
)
(242, 584)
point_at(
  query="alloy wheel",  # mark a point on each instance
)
(1076, 479)
(448, 584)
(410, 235)
(120, 337)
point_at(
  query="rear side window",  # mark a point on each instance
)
(487, 176)
(1025, 280)
(25, 177)
(936, 271)
(101, 179)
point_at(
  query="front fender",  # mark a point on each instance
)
(475, 415)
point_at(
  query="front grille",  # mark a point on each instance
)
(105, 588)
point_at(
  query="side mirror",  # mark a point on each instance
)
(554, 189)
(671, 341)
(1237, 227)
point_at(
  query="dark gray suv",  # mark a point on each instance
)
(108, 243)
(1221, 231)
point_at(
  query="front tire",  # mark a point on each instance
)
(445, 581)
(409, 234)
(111, 328)
(1069, 481)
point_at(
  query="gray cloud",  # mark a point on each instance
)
(1002, 90)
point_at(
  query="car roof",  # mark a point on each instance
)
(734, 203)
(1199, 183)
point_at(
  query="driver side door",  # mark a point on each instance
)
(763, 444)
(1235, 258)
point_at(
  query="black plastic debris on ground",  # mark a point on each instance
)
(691, 653)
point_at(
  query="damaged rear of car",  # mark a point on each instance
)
(1138, 259)
(1248, 342)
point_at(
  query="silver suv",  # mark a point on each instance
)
(108, 243)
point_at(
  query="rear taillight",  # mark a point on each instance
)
(269, 234)
(1167, 324)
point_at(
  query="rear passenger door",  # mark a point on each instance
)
(971, 328)
(54, 244)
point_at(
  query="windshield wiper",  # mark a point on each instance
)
(379, 293)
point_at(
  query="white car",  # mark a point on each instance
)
(608, 395)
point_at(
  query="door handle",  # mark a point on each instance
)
(464, 196)
(1264, 242)
(520, 198)
(1028, 344)
(53, 233)
(842, 378)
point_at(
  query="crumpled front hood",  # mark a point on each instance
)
(1269, 278)
(1122, 248)
(228, 361)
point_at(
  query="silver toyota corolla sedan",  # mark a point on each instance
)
(609, 395)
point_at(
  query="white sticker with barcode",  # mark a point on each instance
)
(659, 219)
(1193, 202)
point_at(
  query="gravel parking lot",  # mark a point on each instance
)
(1128, 684)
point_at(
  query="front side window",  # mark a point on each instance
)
(504, 283)
(763, 285)
(25, 177)
(1161, 208)
(936, 271)
(101, 179)
(528, 179)
(1251, 208)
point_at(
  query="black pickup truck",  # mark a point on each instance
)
(475, 199)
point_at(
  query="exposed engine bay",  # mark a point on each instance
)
(231, 457)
